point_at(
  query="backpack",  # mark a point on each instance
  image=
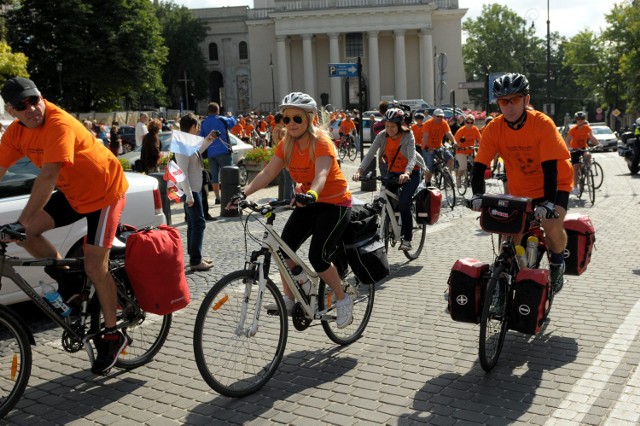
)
(581, 236)
(364, 249)
(529, 301)
(428, 203)
(467, 283)
(154, 262)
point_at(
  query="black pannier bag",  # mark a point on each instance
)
(467, 281)
(504, 214)
(529, 300)
(363, 246)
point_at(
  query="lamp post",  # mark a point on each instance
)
(273, 87)
(59, 69)
(548, 53)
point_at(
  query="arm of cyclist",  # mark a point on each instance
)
(371, 153)
(43, 186)
(546, 209)
(593, 140)
(477, 185)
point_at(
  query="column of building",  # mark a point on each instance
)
(283, 66)
(307, 64)
(426, 65)
(335, 98)
(400, 65)
(374, 70)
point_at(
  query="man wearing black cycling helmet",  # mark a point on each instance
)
(578, 140)
(536, 160)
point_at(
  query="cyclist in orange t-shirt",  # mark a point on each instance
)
(238, 129)
(418, 129)
(91, 184)
(347, 127)
(536, 161)
(467, 137)
(577, 139)
(435, 130)
(323, 198)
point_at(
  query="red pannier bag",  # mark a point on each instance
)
(581, 236)
(467, 281)
(529, 301)
(428, 204)
(154, 261)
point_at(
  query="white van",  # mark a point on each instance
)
(415, 104)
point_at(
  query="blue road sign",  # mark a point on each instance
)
(343, 70)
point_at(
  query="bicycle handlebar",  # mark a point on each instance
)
(277, 205)
(12, 232)
(392, 179)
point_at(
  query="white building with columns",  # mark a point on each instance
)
(409, 49)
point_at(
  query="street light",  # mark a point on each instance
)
(273, 87)
(59, 69)
(548, 53)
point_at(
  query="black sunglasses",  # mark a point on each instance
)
(298, 119)
(26, 103)
(469, 122)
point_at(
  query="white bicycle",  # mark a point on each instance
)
(237, 349)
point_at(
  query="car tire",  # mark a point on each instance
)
(243, 174)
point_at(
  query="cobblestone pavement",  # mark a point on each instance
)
(413, 364)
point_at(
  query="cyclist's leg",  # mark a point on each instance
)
(448, 159)
(294, 234)
(428, 160)
(575, 161)
(404, 204)
(462, 167)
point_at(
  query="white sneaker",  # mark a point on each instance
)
(344, 308)
(575, 191)
(288, 303)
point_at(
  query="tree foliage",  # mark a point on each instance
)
(92, 54)
(11, 64)
(182, 34)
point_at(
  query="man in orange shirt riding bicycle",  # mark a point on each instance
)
(537, 163)
(91, 184)
(347, 127)
(577, 139)
(435, 129)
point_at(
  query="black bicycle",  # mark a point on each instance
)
(442, 177)
(146, 332)
(348, 148)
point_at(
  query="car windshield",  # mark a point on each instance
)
(19, 179)
(601, 130)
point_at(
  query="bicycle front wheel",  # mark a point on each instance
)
(15, 359)
(353, 153)
(464, 182)
(598, 174)
(362, 296)
(591, 186)
(493, 321)
(449, 188)
(417, 240)
(231, 358)
(342, 152)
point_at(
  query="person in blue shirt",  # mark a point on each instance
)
(219, 152)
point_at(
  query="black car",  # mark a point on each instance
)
(128, 136)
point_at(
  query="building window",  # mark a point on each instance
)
(243, 50)
(353, 44)
(213, 52)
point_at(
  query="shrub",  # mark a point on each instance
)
(259, 155)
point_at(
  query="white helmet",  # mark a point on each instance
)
(299, 100)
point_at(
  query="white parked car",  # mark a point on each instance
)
(608, 140)
(143, 208)
(366, 129)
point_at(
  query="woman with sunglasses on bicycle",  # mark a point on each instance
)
(323, 199)
(397, 144)
(467, 138)
(536, 160)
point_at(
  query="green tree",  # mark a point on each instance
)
(11, 64)
(623, 33)
(182, 34)
(92, 54)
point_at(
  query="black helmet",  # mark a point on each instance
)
(510, 84)
(419, 116)
(580, 114)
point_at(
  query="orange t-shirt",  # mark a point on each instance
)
(238, 130)
(91, 177)
(471, 136)
(523, 152)
(262, 126)
(436, 132)
(579, 136)
(390, 149)
(303, 171)
(418, 130)
(347, 126)
(248, 129)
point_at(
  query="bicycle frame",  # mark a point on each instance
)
(388, 211)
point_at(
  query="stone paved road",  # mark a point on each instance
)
(413, 365)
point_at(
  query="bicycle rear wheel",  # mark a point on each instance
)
(598, 174)
(449, 188)
(591, 186)
(464, 182)
(493, 321)
(231, 361)
(362, 296)
(147, 332)
(15, 359)
(419, 233)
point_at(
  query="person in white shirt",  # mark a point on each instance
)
(141, 128)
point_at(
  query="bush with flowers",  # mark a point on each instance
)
(258, 155)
